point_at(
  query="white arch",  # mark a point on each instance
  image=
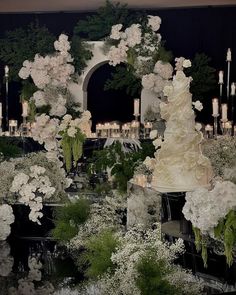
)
(79, 90)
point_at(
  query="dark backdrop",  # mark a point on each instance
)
(187, 31)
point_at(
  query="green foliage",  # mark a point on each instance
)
(124, 78)
(99, 249)
(226, 230)
(151, 277)
(203, 76)
(68, 218)
(81, 53)
(64, 231)
(122, 163)
(23, 43)
(72, 148)
(98, 26)
(9, 149)
(200, 245)
(27, 91)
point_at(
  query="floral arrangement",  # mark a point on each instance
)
(54, 172)
(30, 188)
(6, 219)
(133, 247)
(213, 213)
(140, 46)
(51, 75)
(52, 99)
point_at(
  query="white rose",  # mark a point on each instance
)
(154, 22)
(115, 32)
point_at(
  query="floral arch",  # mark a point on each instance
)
(100, 57)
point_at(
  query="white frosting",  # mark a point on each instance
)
(180, 164)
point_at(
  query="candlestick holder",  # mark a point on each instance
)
(215, 127)
(12, 127)
(0, 125)
(24, 128)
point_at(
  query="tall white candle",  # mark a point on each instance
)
(224, 108)
(0, 110)
(232, 89)
(215, 107)
(6, 71)
(229, 55)
(136, 107)
(221, 77)
(25, 109)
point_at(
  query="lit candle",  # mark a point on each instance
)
(6, 71)
(0, 110)
(224, 116)
(209, 127)
(13, 123)
(221, 77)
(215, 107)
(25, 109)
(233, 89)
(229, 56)
(136, 107)
(228, 125)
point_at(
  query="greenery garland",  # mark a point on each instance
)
(72, 148)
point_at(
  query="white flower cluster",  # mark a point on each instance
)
(47, 131)
(181, 63)
(31, 188)
(72, 126)
(6, 260)
(101, 217)
(6, 219)
(143, 41)
(134, 245)
(54, 70)
(205, 208)
(154, 22)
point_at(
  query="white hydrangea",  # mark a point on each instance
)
(154, 22)
(62, 44)
(115, 32)
(205, 208)
(117, 55)
(133, 35)
(165, 70)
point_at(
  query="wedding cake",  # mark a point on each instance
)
(179, 163)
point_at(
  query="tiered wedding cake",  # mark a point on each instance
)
(179, 163)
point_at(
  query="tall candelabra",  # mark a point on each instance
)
(219, 108)
(6, 83)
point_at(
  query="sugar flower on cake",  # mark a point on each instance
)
(197, 105)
